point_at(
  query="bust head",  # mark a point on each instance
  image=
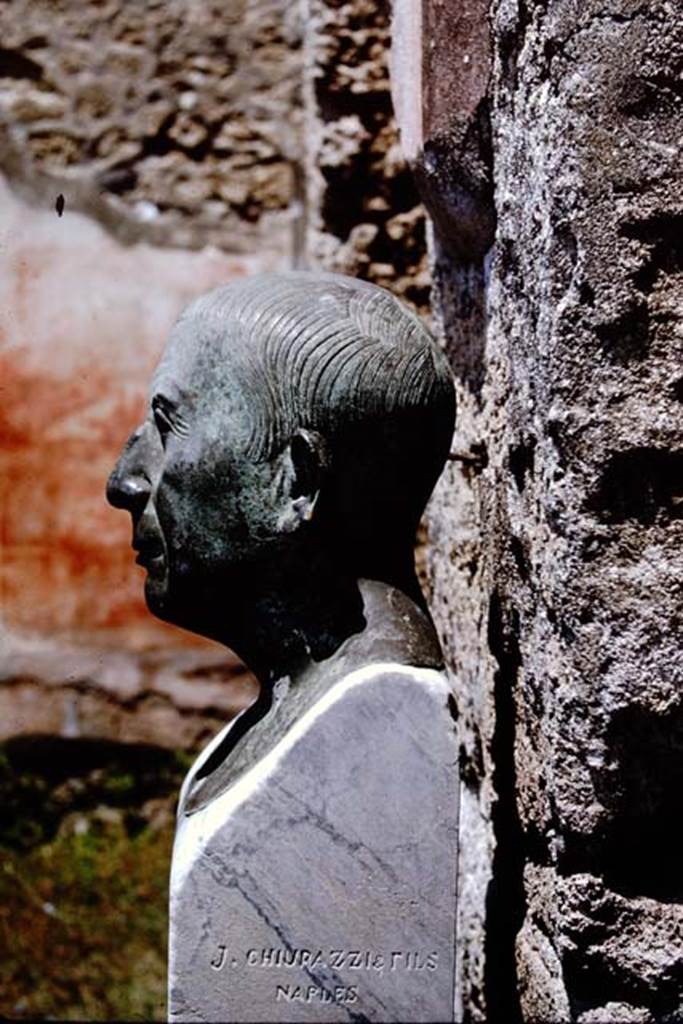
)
(297, 424)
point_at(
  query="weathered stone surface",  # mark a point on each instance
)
(321, 886)
(588, 483)
(617, 1013)
(177, 123)
(364, 216)
(449, 146)
(556, 531)
(104, 686)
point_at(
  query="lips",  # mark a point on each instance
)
(150, 553)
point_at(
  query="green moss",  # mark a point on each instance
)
(83, 923)
(84, 867)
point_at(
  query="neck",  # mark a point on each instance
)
(281, 623)
(394, 630)
(379, 622)
(285, 634)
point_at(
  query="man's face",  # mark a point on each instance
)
(204, 512)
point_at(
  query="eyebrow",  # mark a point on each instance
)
(171, 394)
(159, 398)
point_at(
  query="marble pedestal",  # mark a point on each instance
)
(321, 886)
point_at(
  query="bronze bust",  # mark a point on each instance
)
(297, 424)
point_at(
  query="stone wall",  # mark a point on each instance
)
(555, 534)
(172, 121)
(364, 216)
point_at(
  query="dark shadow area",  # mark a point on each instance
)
(505, 900)
(627, 338)
(16, 65)
(591, 982)
(643, 847)
(462, 291)
(521, 461)
(241, 726)
(44, 778)
(644, 484)
(663, 233)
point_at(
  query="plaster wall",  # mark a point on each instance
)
(172, 133)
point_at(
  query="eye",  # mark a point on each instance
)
(162, 419)
(168, 419)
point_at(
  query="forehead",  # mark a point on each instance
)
(199, 360)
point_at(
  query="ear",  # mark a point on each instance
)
(304, 464)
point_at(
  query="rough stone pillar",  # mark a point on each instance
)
(364, 215)
(445, 55)
(555, 537)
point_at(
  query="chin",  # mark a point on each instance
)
(168, 607)
(187, 602)
(156, 597)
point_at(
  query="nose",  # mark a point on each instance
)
(129, 485)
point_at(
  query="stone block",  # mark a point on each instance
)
(321, 885)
